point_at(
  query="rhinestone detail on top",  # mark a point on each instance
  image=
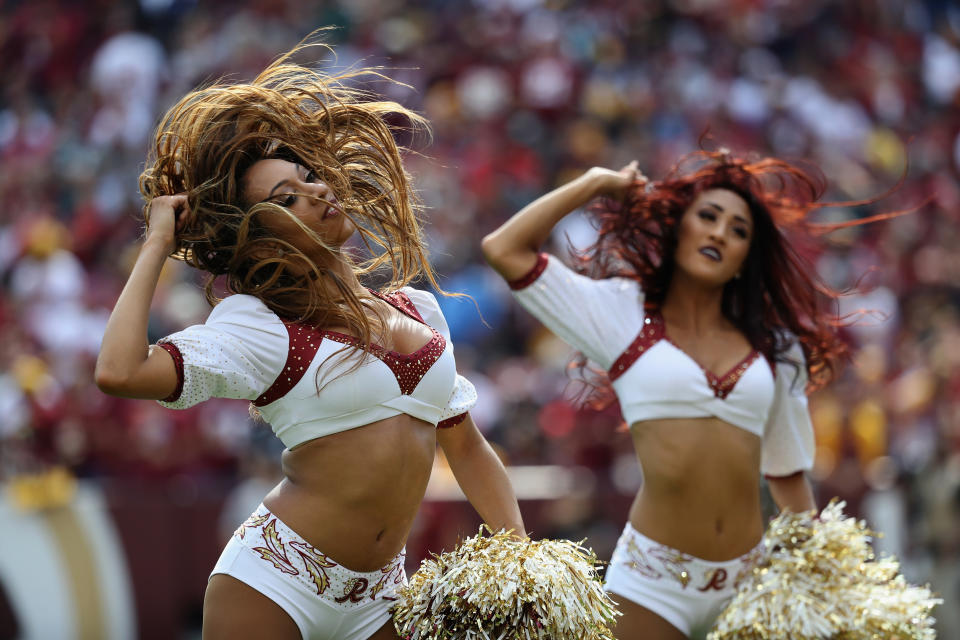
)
(653, 331)
(408, 368)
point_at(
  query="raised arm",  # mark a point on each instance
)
(127, 365)
(512, 248)
(482, 476)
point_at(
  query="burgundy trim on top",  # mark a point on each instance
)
(525, 281)
(304, 343)
(654, 330)
(174, 352)
(651, 333)
(451, 422)
(400, 300)
(723, 385)
(407, 368)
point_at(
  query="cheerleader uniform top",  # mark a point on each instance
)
(654, 379)
(244, 350)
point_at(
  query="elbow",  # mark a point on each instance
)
(492, 251)
(109, 381)
(503, 253)
(509, 256)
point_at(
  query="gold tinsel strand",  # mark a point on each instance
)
(498, 587)
(820, 580)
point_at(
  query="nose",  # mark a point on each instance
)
(717, 234)
(318, 190)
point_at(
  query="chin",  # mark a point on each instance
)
(348, 232)
(709, 277)
(343, 234)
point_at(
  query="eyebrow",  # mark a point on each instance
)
(282, 182)
(275, 187)
(736, 216)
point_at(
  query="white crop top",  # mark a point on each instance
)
(654, 379)
(244, 350)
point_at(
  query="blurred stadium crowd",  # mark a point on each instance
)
(522, 95)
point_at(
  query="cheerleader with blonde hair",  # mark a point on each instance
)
(262, 184)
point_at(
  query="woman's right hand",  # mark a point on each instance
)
(614, 184)
(166, 215)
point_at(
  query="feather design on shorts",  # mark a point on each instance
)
(274, 551)
(315, 564)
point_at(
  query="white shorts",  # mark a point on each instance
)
(326, 600)
(687, 592)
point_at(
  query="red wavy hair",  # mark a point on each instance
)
(778, 296)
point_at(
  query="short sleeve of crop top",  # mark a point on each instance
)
(237, 353)
(599, 317)
(788, 441)
(464, 394)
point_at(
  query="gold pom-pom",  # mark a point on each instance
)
(819, 579)
(501, 587)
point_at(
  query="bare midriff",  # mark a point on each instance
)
(700, 492)
(353, 495)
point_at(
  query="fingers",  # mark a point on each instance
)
(176, 204)
(638, 176)
(632, 172)
(184, 215)
(166, 218)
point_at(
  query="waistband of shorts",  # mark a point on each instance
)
(656, 561)
(707, 563)
(287, 552)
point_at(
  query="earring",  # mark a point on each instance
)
(736, 277)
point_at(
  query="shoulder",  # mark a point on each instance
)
(427, 307)
(622, 286)
(552, 273)
(791, 362)
(422, 300)
(241, 308)
(247, 318)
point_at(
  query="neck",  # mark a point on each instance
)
(693, 306)
(341, 270)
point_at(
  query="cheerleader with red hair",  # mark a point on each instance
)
(709, 328)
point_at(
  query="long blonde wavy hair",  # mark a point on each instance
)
(208, 140)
